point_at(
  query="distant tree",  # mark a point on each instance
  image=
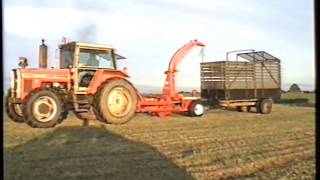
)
(294, 88)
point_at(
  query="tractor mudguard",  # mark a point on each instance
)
(100, 76)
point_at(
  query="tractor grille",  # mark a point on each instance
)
(15, 83)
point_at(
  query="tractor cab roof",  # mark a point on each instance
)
(92, 46)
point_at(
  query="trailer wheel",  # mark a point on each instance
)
(116, 102)
(266, 106)
(196, 109)
(258, 106)
(13, 111)
(44, 109)
(243, 108)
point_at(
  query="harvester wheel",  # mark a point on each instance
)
(266, 106)
(116, 102)
(14, 111)
(196, 109)
(44, 109)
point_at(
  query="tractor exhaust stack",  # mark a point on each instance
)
(43, 55)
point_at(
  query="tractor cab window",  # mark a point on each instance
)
(96, 59)
(66, 57)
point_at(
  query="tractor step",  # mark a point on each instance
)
(81, 99)
(81, 110)
(81, 102)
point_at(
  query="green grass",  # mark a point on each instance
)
(221, 144)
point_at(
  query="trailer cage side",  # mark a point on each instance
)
(250, 80)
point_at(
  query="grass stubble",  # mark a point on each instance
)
(220, 145)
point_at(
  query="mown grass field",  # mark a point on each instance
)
(223, 144)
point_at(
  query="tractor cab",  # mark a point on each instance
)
(85, 59)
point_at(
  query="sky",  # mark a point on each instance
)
(148, 32)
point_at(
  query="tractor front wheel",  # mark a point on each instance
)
(14, 111)
(116, 102)
(44, 109)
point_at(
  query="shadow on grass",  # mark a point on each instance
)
(251, 110)
(87, 153)
(304, 102)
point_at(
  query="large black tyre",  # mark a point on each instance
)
(258, 106)
(13, 111)
(196, 109)
(116, 102)
(44, 109)
(266, 106)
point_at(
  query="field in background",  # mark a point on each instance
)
(298, 99)
(221, 144)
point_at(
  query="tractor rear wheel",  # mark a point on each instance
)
(196, 109)
(44, 109)
(14, 111)
(266, 106)
(116, 102)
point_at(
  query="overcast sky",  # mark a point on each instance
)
(148, 32)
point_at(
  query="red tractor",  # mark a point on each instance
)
(89, 83)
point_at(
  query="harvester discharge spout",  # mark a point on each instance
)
(169, 89)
